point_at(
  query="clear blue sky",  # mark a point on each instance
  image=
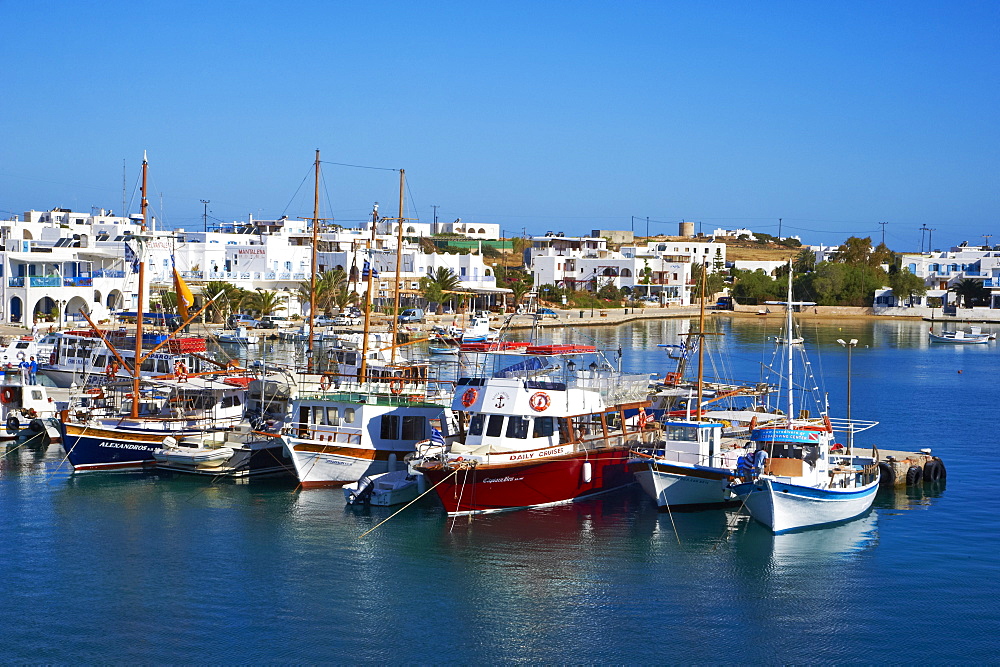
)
(540, 115)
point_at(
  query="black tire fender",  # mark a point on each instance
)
(933, 471)
(914, 475)
(887, 474)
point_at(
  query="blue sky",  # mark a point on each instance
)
(534, 115)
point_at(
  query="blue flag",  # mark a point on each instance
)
(367, 267)
(436, 437)
(131, 259)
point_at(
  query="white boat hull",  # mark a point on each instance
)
(336, 466)
(782, 507)
(680, 486)
(192, 457)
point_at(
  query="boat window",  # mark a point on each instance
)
(21, 345)
(413, 427)
(317, 415)
(101, 361)
(333, 416)
(543, 427)
(161, 366)
(36, 395)
(517, 427)
(495, 426)
(476, 425)
(351, 358)
(148, 366)
(390, 427)
(684, 433)
(349, 415)
(237, 401)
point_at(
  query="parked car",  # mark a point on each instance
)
(324, 321)
(411, 315)
(346, 320)
(546, 312)
(242, 321)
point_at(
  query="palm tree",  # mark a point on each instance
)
(222, 306)
(970, 291)
(331, 290)
(266, 302)
(437, 286)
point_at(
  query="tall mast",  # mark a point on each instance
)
(312, 277)
(701, 341)
(370, 258)
(140, 302)
(788, 346)
(399, 264)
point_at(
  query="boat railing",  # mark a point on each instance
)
(347, 435)
(616, 388)
(843, 425)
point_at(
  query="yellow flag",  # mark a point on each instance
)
(185, 298)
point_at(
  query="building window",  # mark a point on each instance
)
(390, 427)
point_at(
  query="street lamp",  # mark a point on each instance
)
(850, 345)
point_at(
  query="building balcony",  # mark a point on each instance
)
(107, 273)
(78, 281)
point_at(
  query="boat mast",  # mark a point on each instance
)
(312, 277)
(140, 302)
(399, 265)
(788, 344)
(370, 259)
(701, 341)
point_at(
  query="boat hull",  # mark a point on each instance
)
(679, 486)
(332, 465)
(549, 481)
(91, 448)
(783, 507)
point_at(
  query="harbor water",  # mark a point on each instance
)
(144, 568)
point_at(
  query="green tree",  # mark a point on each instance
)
(222, 307)
(437, 287)
(804, 262)
(265, 302)
(906, 285)
(754, 287)
(971, 292)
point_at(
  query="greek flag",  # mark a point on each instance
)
(436, 437)
(131, 259)
(366, 269)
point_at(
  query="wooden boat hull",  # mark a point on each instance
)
(548, 481)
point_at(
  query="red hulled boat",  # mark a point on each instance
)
(539, 428)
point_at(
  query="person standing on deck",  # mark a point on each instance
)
(32, 371)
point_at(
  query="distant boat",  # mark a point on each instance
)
(973, 336)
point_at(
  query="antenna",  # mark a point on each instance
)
(987, 237)
(204, 216)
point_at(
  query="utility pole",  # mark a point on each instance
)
(883, 231)
(779, 229)
(434, 227)
(204, 216)
(647, 226)
(922, 230)
(930, 242)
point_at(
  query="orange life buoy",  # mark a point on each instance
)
(324, 383)
(7, 395)
(469, 397)
(396, 386)
(539, 401)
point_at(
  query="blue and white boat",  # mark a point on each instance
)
(797, 476)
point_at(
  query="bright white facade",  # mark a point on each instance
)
(660, 269)
(941, 271)
(59, 262)
(474, 230)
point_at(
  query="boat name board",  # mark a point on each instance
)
(124, 445)
(785, 435)
(527, 456)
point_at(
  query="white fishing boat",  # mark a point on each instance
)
(974, 336)
(797, 477)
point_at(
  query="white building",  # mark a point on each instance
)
(941, 271)
(474, 230)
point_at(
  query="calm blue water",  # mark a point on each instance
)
(138, 568)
